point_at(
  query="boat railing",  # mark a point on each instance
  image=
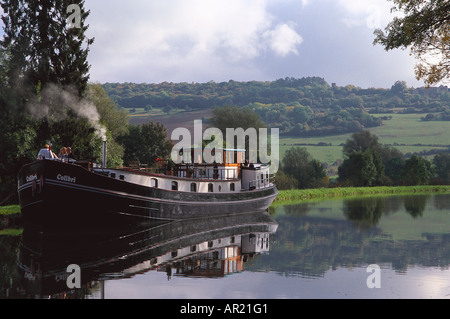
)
(197, 172)
(261, 182)
(207, 172)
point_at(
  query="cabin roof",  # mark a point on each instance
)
(221, 148)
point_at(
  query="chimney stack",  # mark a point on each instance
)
(104, 154)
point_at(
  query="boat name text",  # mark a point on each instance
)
(66, 178)
(30, 178)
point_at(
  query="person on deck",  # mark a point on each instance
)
(46, 153)
(62, 153)
(69, 152)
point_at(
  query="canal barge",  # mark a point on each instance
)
(53, 191)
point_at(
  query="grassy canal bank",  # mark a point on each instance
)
(341, 192)
(10, 216)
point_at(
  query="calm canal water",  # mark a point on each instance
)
(378, 247)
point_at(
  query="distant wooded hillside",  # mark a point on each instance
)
(299, 107)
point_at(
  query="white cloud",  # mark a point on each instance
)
(191, 36)
(370, 13)
(284, 40)
(242, 40)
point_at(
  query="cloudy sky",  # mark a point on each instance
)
(202, 40)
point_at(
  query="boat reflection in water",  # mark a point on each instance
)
(200, 247)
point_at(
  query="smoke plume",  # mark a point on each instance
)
(54, 102)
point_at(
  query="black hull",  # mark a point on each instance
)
(52, 192)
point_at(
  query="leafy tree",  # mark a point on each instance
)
(394, 170)
(359, 169)
(393, 162)
(399, 87)
(285, 181)
(361, 141)
(44, 46)
(44, 76)
(47, 72)
(388, 161)
(115, 119)
(229, 116)
(298, 163)
(236, 117)
(442, 167)
(423, 26)
(132, 142)
(417, 171)
(145, 143)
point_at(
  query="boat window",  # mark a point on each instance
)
(174, 254)
(113, 175)
(122, 177)
(193, 187)
(232, 187)
(240, 157)
(210, 187)
(154, 182)
(174, 186)
(210, 244)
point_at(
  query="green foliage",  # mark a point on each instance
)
(361, 169)
(233, 117)
(115, 119)
(394, 169)
(417, 171)
(424, 26)
(369, 163)
(11, 232)
(9, 210)
(44, 48)
(442, 167)
(145, 143)
(365, 160)
(361, 142)
(44, 94)
(298, 107)
(284, 181)
(236, 117)
(308, 172)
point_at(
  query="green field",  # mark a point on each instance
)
(407, 129)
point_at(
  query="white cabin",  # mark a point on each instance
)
(231, 176)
